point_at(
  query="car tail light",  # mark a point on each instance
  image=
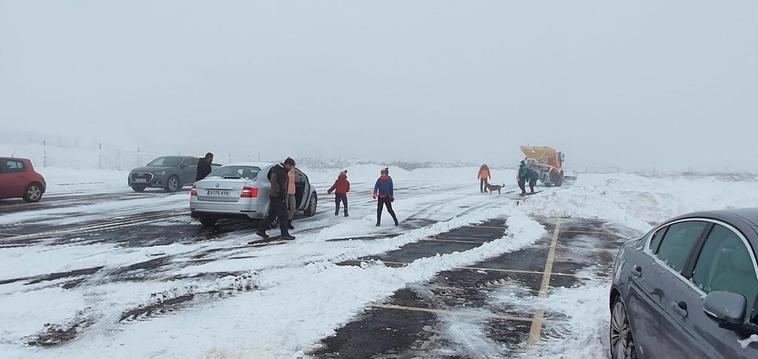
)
(249, 192)
(193, 193)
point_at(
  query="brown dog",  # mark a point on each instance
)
(494, 187)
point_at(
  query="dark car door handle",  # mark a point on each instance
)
(637, 270)
(680, 308)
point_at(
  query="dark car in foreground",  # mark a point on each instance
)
(18, 179)
(169, 172)
(688, 289)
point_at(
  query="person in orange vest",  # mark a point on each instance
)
(484, 175)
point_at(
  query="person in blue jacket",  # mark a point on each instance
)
(384, 194)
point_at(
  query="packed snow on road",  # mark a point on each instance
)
(102, 271)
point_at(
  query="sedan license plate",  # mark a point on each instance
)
(218, 193)
(140, 180)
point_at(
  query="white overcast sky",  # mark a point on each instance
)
(640, 84)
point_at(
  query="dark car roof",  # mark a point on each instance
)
(745, 219)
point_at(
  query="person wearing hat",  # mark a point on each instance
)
(277, 175)
(523, 174)
(341, 187)
(384, 194)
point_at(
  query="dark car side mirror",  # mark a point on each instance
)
(725, 307)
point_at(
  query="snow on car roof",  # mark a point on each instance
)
(249, 164)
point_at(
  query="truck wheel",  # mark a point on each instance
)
(172, 185)
(33, 193)
(138, 188)
(312, 206)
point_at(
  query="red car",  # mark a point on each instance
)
(19, 180)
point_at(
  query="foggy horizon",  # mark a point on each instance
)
(608, 84)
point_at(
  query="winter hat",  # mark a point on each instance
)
(386, 170)
(343, 173)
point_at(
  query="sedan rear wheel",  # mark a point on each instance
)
(33, 193)
(622, 341)
(173, 184)
(312, 205)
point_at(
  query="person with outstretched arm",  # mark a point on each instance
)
(384, 194)
(341, 187)
(277, 175)
(204, 166)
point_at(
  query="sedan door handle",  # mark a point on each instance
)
(680, 308)
(637, 270)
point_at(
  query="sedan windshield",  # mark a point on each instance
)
(247, 172)
(165, 162)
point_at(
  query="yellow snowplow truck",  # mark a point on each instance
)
(547, 162)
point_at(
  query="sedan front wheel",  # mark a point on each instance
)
(33, 193)
(622, 341)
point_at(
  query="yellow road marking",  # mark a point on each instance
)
(536, 330)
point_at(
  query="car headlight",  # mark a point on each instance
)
(160, 173)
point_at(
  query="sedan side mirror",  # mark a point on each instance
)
(725, 307)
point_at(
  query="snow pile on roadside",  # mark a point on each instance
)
(328, 296)
(639, 202)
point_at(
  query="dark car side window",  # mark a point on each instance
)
(190, 161)
(678, 242)
(726, 264)
(10, 166)
(656, 241)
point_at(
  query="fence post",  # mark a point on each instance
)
(100, 155)
(44, 153)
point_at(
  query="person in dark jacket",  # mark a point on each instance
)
(384, 194)
(277, 175)
(204, 166)
(523, 174)
(533, 176)
(341, 187)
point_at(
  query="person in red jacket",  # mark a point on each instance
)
(341, 187)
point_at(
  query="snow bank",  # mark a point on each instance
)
(639, 202)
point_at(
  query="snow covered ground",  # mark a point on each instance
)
(216, 297)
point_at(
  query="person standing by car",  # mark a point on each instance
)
(277, 175)
(532, 174)
(484, 175)
(384, 194)
(204, 166)
(341, 187)
(523, 174)
(291, 200)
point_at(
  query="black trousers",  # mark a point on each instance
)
(340, 197)
(483, 185)
(277, 209)
(522, 185)
(386, 202)
(532, 183)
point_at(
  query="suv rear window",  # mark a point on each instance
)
(678, 242)
(9, 166)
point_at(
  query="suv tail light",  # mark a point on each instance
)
(249, 192)
(193, 193)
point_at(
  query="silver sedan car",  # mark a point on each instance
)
(242, 191)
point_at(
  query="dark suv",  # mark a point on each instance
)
(170, 173)
(688, 289)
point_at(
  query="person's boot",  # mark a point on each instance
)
(346, 212)
(378, 224)
(337, 212)
(290, 226)
(262, 234)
